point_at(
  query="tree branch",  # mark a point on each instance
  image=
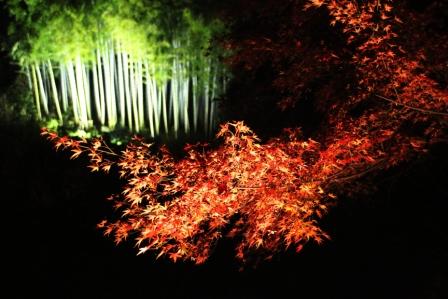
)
(411, 107)
(378, 164)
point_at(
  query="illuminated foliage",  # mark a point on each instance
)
(265, 196)
(132, 64)
(380, 108)
(361, 71)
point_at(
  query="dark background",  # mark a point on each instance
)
(387, 243)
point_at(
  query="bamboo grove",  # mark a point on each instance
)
(119, 64)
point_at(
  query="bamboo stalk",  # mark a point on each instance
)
(54, 92)
(128, 92)
(194, 91)
(175, 98)
(73, 91)
(163, 94)
(86, 86)
(45, 81)
(102, 111)
(113, 107)
(149, 101)
(43, 95)
(107, 87)
(28, 76)
(121, 86)
(157, 106)
(139, 82)
(213, 102)
(207, 100)
(185, 90)
(96, 91)
(82, 102)
(180, 99)
(63, 77)
(36, 92)
(134, 96)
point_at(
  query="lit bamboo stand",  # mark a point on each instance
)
(125, 82)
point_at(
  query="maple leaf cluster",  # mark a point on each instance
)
(265, 196)
(379, 106)
(357, 66)
(385, 71)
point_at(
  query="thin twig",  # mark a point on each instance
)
(358, 175)
(411, 107)
(86, 148)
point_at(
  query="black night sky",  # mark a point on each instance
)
(390, 242)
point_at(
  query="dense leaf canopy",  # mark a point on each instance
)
(63, 30)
